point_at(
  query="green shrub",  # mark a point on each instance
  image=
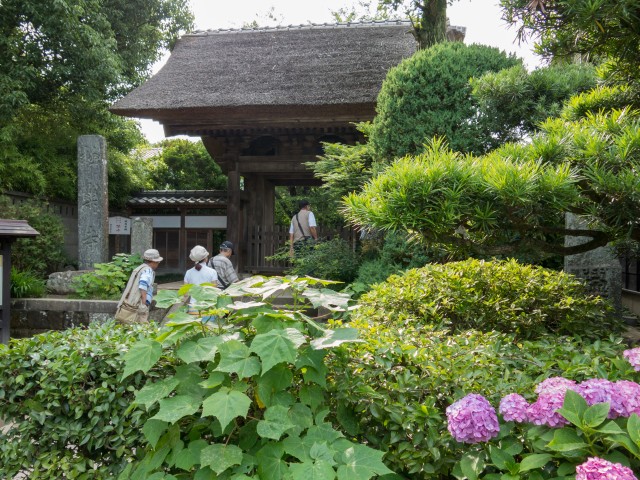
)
(392, 390)
(330, 260)
(391, 253)
(26, 285)
(506, 296)
(248, 397)
(429, 95)
(108, 280)
(66, 408)
(43, 254)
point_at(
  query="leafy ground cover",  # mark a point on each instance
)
(244, 390)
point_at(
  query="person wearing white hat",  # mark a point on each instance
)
(134, 303)
(200, 273)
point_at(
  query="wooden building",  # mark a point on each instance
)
(263, 100)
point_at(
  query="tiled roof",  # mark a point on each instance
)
(150, 152)
(168, 198)
(16, 228)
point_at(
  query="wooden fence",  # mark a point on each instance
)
(266, 242)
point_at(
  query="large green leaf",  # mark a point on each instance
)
(270, 463)
(276, 421)
(362, 463)
(153, 430)
(235, 357)
(203, 350)
(190, 456)
(573, 407)
(166, 298)
(205, 294)
(333, 338)
(633, 427)
(215, 379)
(318, 470)
(174, 408)
(596, 414)
(322, 451)
(327, 298)
(275, 380)
(472, 464)
(153, 392)
(500, 458)
(277, 346)
(226, 405)
(534, 461)
(566, 440)
(142, 356)
(219, 457)
(610, 428)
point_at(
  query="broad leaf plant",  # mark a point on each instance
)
(248, 398)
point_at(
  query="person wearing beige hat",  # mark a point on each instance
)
(198, 274)
(138, 294)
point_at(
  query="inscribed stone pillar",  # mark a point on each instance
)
(93, 208)
(141, 234)
(600, 268)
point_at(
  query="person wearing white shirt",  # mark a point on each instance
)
(302, 228)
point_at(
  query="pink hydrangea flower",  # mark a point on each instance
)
(600, 390)
(598, 469)
(629, 392)
(554, 385)
(543, 410)
(472, 419)
(633, 356)
(513, 407)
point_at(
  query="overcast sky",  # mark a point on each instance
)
(480, 17)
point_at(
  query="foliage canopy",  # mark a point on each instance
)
(515, 198)
(63, 63)
(429, 95)
(600, 30)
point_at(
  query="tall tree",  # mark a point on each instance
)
(604, 29)
(186, 165)
(429, 94)
(428, 17)
(91, 50)
(61, 64)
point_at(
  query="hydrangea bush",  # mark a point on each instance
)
(589, 428)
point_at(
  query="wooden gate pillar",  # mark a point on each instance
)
(235, 227)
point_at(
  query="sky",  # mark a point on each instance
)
(482, 18)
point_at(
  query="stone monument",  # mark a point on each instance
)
(93, 208)
(599, 268)
(141, 234)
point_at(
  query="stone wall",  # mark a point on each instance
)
(31, 316)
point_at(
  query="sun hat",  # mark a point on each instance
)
(226, 245)
(152, 255)
(198, 253)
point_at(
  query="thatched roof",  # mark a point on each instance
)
(215, 76)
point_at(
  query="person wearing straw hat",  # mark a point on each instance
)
(134, 304)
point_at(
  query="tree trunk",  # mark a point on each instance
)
(431, 27)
